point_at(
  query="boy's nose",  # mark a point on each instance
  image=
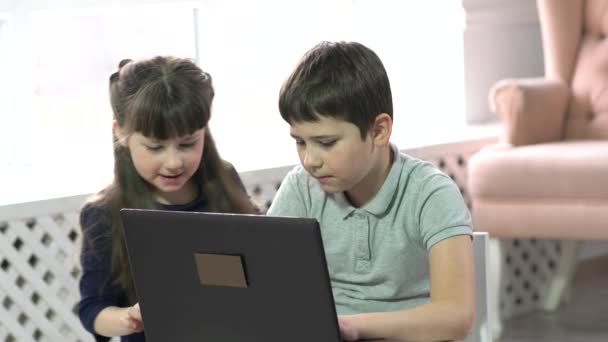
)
(311, 161)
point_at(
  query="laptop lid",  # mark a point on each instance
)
(229, 278)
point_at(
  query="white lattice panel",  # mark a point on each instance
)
(528, 267)
(262, 185)
(39, 271)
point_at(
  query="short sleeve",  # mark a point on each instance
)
(290, 199)
(443, 212)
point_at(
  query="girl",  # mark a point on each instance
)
(165, 158)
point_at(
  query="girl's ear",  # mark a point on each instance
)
(118, 133)
(382, 129)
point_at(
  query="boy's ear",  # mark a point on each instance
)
(382, 129)
(118, 133)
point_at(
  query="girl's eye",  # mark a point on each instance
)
(154, 147)
(186, 146)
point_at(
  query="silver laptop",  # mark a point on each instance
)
(229, 278)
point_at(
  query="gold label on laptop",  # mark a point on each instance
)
(220, 270)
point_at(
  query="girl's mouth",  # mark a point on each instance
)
(171, 176)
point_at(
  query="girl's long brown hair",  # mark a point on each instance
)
(162, 98)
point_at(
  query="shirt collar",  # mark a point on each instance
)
(381, 202)
(198, 203)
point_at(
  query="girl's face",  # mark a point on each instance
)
(169, 164)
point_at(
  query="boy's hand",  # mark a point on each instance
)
(132, 319)
(348, 329)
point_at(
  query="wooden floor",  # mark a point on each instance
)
(583, 319)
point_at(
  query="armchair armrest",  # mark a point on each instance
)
(533, 110)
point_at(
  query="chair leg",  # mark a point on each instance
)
(560, 284)
(495, 256)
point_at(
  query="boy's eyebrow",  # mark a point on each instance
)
(326, 136)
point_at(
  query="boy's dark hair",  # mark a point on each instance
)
(342, 80)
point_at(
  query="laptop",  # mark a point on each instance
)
(229, 277)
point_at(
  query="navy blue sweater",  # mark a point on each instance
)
(96, 289)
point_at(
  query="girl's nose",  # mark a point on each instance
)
(173, 161)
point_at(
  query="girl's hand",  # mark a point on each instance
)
(348, 329)
(132, 319)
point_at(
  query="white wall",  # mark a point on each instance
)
(7, 5)
(501, 40)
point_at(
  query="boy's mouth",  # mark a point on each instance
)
(323, 179)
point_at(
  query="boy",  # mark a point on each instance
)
(396, 231)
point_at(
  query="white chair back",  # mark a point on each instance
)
(481, 327)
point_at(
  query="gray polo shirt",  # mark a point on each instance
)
(377, 255)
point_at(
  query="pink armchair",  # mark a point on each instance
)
(548, 177)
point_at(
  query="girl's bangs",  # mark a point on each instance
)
(166, 118)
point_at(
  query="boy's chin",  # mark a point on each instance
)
(331, 189)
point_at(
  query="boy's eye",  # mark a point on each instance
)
(328, 143)
(300, 142)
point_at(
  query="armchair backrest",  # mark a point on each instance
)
(576, 50)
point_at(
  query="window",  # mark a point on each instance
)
(58, 62)
(420, 43)
(57, 90)
(5, 151)
(69, 91)
(249, 48)
(4, 18)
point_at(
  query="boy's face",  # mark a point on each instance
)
(332, 151)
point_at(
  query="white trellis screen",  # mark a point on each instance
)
(39, 271)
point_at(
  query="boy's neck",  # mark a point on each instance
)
(369, 186)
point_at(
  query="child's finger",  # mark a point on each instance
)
(128, 323)
(134, 312)
(135, 325)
